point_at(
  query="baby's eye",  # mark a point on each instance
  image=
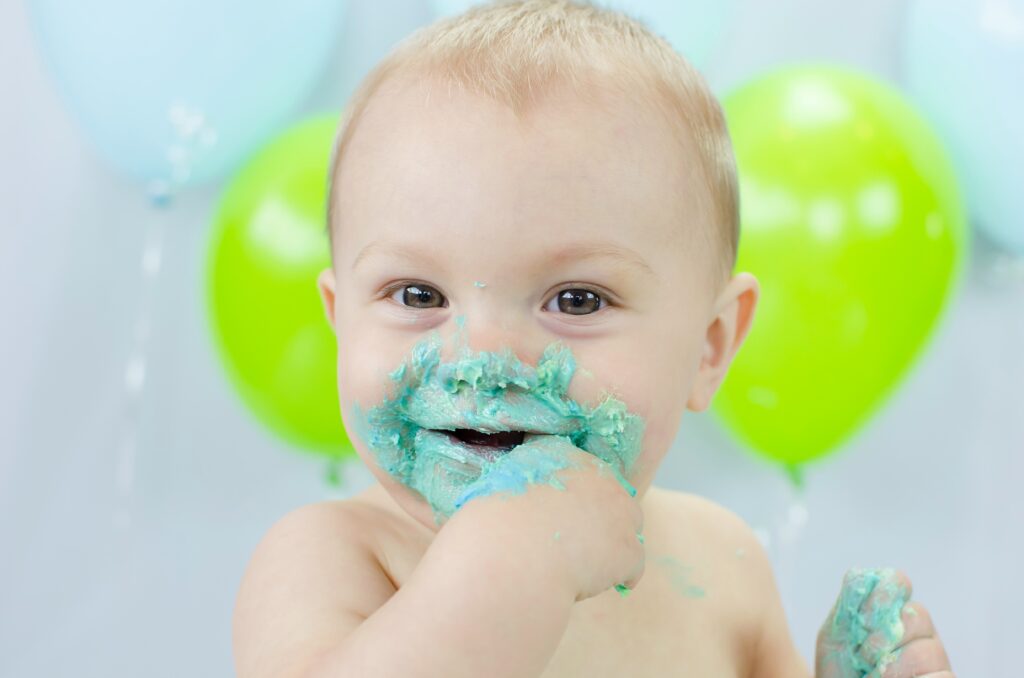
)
(418, 295)
(576, 301)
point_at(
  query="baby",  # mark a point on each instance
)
(533, 216)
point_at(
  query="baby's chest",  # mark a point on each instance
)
(667, 643)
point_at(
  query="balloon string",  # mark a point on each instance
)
(135, 372)
(790, 528)
(1002, 268)
(192, 137)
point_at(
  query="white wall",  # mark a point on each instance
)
(114, 571)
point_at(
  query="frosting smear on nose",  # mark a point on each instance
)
(414, 433)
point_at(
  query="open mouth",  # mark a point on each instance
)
(486, 444)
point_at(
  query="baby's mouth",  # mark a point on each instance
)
(489, 445)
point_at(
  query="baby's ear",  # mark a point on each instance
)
(723, 337)
(325, 283)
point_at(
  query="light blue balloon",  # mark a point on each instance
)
(965, 68)
(693, 27)
(181, 91)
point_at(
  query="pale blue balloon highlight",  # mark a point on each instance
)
(965, 69)
(181, 91)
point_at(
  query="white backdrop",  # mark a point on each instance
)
(108, 570)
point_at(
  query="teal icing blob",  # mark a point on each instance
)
(854, 621)
(491, 392)
(510, 473)
(678, 575)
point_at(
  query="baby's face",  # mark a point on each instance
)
(579, 226)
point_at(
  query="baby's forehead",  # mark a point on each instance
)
(423, 139)
(596, 117)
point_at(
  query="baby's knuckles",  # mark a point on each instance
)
(594, 521)
(917, 620)
(588, 531)
(597, 523)
(923, 658)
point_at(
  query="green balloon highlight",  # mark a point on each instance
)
(853, 222)
(266, 248)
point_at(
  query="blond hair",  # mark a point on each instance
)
(515, 51)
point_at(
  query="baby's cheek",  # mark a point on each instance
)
(602, 373)
(649, 390)
(364, 362)
(591, 386)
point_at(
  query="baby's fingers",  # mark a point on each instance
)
(920, 653)
(892, 588)
(882, 615)
(919, 658)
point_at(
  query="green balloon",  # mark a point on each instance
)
(266, 247)
(854, 225)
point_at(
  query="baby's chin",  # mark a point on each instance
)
(414, 505)
(407, 499)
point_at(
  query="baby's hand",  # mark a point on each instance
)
(874, 632)
(574, 508)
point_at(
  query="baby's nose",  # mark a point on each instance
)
(493, 330)
(485, 331)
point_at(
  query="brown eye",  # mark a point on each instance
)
(576, 301)
(418, 295)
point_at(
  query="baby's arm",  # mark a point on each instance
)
(491, 596)
(481, 602)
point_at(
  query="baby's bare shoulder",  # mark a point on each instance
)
(313, 578)
(722, 558)
(686, 518)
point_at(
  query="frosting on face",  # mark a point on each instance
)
(489, 392)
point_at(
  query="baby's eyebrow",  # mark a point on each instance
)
(402, 250)
(601, 249)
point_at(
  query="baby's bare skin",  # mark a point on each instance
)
(705, 596)
(706, 605)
